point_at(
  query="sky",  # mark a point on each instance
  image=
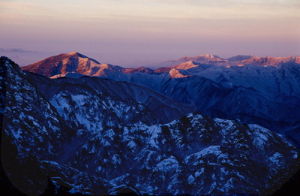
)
(144, 32)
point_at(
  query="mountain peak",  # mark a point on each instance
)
(203, 57)
(6, 64)
(71, 62)
(73, 53)
(78, 54)
(210, 56)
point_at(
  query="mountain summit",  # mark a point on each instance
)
(69, 63)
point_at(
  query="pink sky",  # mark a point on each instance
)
(141, 32)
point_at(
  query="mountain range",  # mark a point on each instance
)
(261, 90)
(88, 128)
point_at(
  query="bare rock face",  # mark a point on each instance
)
(82, 138)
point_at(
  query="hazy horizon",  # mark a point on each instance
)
(141, 32)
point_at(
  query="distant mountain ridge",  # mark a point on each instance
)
(75, 62)
(239, 60)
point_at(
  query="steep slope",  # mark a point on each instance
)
(30, 127)
(245, 103)
(194, 155)
(128, 101)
